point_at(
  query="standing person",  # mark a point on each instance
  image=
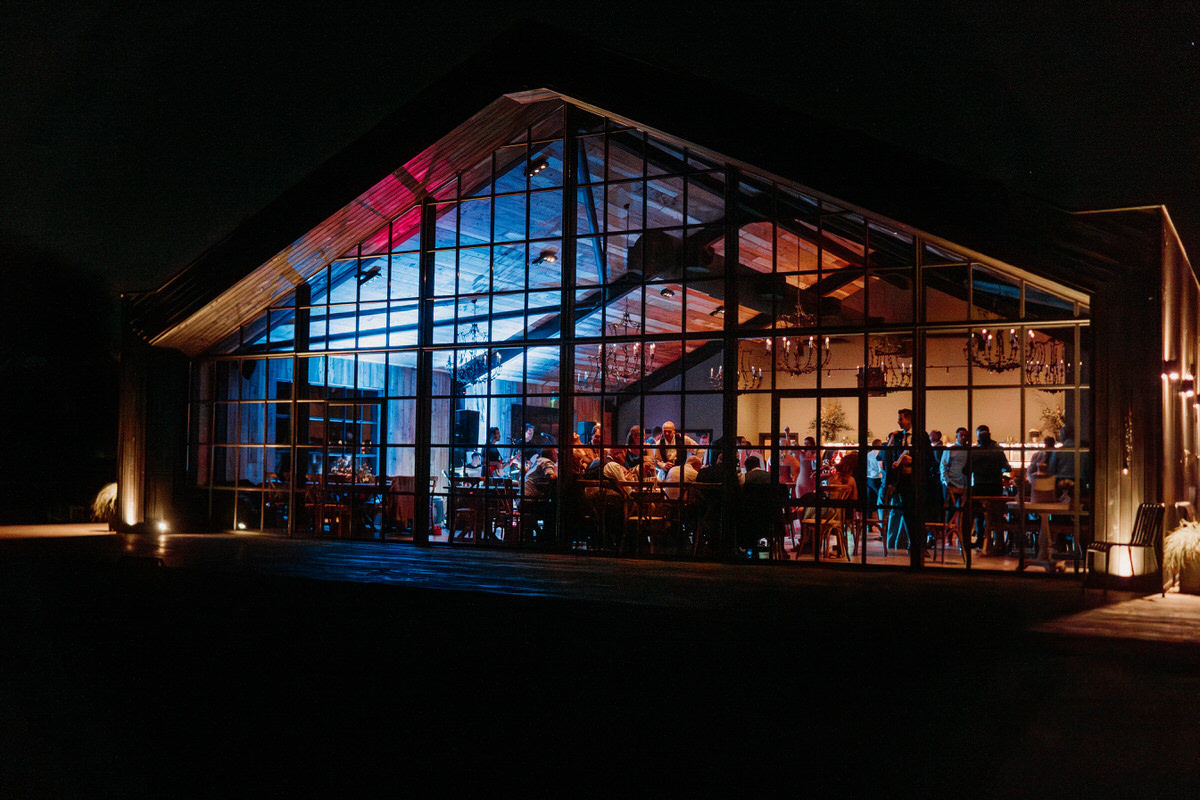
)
(806, 474)
(789, 462)
(672, 449)
(953, 471)
(1040, 461)
(495, 462)
(895, 532)
(915, 453)
(987, 467)
(939, 449)
(875, 482)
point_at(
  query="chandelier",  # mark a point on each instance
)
(994, 353)
(884, 369)
(749, 375)
(473, 366)
(798, 356)
(619, 362)
(1045, 362)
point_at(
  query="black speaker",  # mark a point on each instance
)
(466, 427)
(466, 435)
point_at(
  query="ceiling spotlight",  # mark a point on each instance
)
(719, 311)
(547, 256)
(368, 275)
(667, 291)
(536, 166)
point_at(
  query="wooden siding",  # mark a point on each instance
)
(465, 146)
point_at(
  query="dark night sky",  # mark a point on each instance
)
(135, 135)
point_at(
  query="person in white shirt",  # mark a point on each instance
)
(953, 469)
(542, 473)
(672, 449)
(680, 474)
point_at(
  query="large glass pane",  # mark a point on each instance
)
(704, 367)
(664, 203)
(546, 165)
(946, 364)
(343, 281)
(342, 326)
(589, 258)
(509, 267)
(510, 218)
(445, 272)
(545, 268)
(475, 222)
(591, 156)
(890, 297)
(545, 214)
(405, 276)
(625, 155)
(946, 290)
(706, 198)
(993, 295)
(541, 372)
(624, 206)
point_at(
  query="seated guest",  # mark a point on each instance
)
(542, 473)
(843, 475)
(582, 456)
(614, 468)
(633, 447)
(755, 474)
(680, 474)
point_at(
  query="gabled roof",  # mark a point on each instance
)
(503, 89)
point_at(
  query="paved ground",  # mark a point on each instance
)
(210, 665)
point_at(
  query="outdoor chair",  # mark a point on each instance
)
(1147, 534)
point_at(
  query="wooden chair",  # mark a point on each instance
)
(500, 511)
(1147, 534)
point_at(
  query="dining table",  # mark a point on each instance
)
(1043, 510)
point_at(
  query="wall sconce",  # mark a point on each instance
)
(1170, 370)
(1187, 388)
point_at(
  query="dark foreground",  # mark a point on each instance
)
(267, 668)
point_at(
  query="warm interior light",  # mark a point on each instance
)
(547, 256)
(536, 166)
(241, 526)
(719, 311)
(667, 291)
(162, 526)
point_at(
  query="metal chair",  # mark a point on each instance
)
(1147, 534)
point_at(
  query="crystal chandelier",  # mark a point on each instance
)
(800, 356)
(473, 366)
(993, 353)
(619, 362)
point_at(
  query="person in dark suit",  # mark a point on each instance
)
(915, 462)
(987, 466)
